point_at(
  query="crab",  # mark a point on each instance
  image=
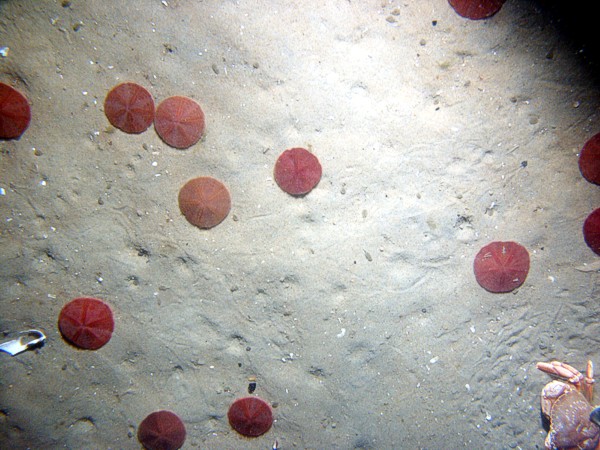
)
(567, 406)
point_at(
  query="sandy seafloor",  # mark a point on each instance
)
(355, 306)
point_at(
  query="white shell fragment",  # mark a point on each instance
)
(33, 339)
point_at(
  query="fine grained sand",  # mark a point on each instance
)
(355, 306)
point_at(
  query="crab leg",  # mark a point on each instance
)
(588, 382)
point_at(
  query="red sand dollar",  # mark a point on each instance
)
(179, 121)
(86, 323)
(501, 266)
(15, 113)
(129, 107)
(476, 9)
(162, 430)
(204, 201)
(250, 416)
(297, 171)
(589, 160)
(591, 231)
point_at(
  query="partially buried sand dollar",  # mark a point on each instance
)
(162, 430)
(476, 9)
(204, 201)
(591, 231)
(15, 113)
(589, 160)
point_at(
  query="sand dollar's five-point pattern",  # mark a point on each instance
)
(250, 416)
(86, 323)
(501, 266)
(297, 171)
(129, 107)
(162, 430)
(204, 201)
(179, 121)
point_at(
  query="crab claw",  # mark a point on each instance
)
(561, 370)
(588, 382)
